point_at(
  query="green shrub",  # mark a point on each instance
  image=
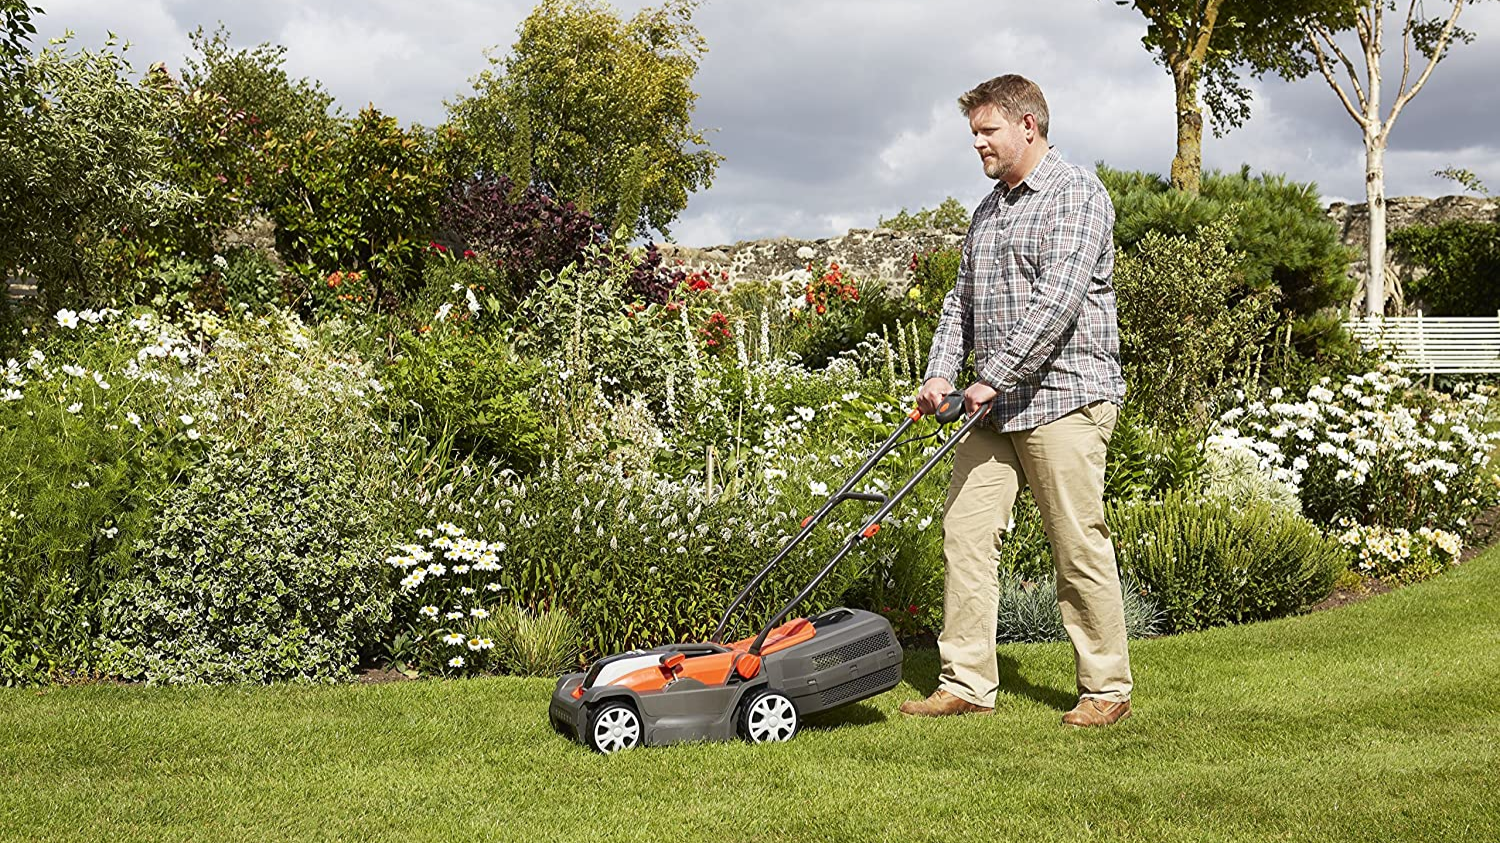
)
(933, 274)
(264, 567)
(90, 436)
(1029, 611)
(951, 213)
(475, 389)
(249, 277)
(1146, 459)
(835, 313)
(1024, 550)
(83, 169)
(1283, 244)
(1282, 236)
(363, 198)
(1209, 563)
(1185, 321)
(1462, 263)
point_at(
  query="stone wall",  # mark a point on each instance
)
(883, 254)
(878, 254)
(1402, 212)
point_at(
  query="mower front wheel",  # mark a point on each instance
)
(614, 726)
(768, 717)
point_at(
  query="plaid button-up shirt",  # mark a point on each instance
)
(1034, 299)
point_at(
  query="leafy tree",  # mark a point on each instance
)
(1206, 42)
(16, 29)
(950, 214)
(596, 110)
(231, 103)
(362, 197)
(254, 81)
(88, 161)
(1431, 37)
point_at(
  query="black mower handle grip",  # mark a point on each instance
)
(951, 407)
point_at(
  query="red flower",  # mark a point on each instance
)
(469, 254)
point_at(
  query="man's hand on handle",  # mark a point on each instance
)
(977, 394)
(932, 393)
(934, 390)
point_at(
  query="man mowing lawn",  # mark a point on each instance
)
(1035, 304)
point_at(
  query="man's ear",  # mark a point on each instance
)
(1029, 120)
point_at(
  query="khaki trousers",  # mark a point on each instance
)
(1063, 463)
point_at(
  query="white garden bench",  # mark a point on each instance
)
(1434, 345)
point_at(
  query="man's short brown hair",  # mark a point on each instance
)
(1015, 96)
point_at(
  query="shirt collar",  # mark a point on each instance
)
(1037, 179)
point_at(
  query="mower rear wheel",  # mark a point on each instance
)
(768, 717)
(614, 726)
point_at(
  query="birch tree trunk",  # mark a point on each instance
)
(1369, 24)
(1375, 139)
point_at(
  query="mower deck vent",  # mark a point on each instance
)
(861, 686)
(853, 650)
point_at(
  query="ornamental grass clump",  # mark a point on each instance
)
(1029, 612)
(1208, 562)
(545, 643)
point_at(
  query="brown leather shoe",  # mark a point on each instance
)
(1091, 711)
(942, 704)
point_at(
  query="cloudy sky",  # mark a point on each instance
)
(833, 113)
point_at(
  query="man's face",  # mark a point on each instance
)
(999, 142)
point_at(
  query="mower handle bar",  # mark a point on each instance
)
(949, 410)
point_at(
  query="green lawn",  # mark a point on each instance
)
(1378, 722)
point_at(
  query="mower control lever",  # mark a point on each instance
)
(951, 407)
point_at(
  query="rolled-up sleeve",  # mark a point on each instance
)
(1070, 251)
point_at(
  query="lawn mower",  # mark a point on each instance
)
(759, 688)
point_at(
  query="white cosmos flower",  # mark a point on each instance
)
(192, 434)
(67, 318)
(75, 408)
(74, 371)
(187, 420)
